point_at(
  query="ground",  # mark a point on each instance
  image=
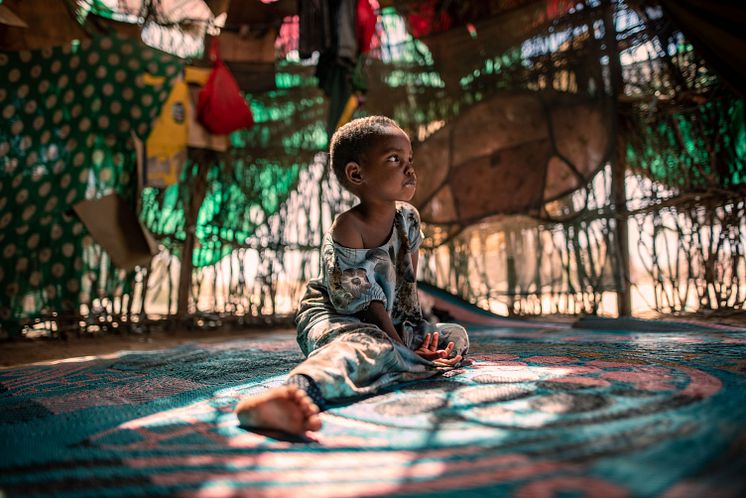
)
(14, 353)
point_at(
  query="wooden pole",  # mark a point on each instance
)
(191, 210)
(618, 166)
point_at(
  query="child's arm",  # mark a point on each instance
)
(429, 347)
(377, 315)
(415, 260)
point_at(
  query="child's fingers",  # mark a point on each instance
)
(445, 353)
(428, 355)
(449, 349)
(448, 362)
(426, 342)
(434, 346)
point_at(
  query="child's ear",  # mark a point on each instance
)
(353, 173)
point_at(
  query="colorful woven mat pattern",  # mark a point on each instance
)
(540, 413)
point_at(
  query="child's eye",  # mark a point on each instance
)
(393, 158)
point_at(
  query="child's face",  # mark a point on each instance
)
(387, 168)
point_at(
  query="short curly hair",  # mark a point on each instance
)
(351, 141)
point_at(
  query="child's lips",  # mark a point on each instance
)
(411, 183)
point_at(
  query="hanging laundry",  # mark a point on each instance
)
(429, 17)
(315, 30)
(347, 48)
(334, 80)
(115, 226)
(167, 143)
(197, 136)
(365, 25)
(339, 69)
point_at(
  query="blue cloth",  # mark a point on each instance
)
(348, 357)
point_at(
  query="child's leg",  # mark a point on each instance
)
(351, 364)
(308, 386)
(342, 365)
(358, 364)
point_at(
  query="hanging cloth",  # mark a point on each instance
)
(347, 48)
(339, 69)
(427, 18)
(365, 25)
(314, 27)
(167, 143)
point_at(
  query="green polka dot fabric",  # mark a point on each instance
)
(68, 114)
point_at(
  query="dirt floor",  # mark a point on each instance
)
(15, 353)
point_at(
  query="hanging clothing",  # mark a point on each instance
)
(335, 80)
(315, 33)
(339, 69)
(365, 25)
(347, 48)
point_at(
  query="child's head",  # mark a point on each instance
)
(372, 152)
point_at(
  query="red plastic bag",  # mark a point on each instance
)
(366, 25)
(220, 106)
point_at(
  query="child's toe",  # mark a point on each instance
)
(313, 423)
(309, 409)
(301, 397)
(307, 405)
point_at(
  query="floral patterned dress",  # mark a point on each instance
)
(348, 357)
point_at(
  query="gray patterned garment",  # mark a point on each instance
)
(348, 357)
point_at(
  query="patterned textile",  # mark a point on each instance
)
(308, 385)
(68, 115)
(352, 278)
(541, 412)
(348, 357)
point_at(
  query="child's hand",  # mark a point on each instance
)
(429, 350)
(448, 362)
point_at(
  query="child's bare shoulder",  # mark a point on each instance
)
(346, 231)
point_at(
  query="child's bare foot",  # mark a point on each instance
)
(285, 408)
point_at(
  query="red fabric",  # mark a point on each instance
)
(365, 25)
(422, 20)
(220, 107)
(556, 8)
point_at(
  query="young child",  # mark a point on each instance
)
(359, 322)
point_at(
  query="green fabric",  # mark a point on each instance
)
(249, 183)
(65, 136)
(240, 196)
(693, 150)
